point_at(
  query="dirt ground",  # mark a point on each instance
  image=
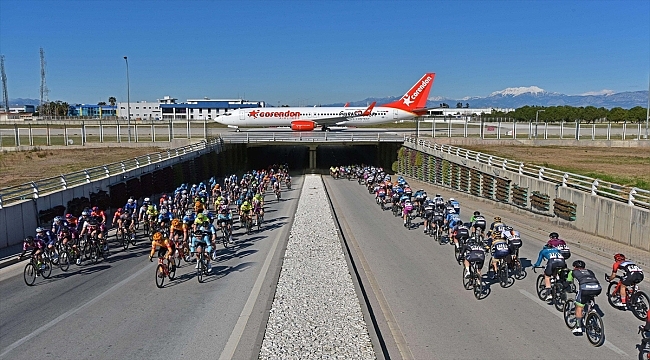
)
(24, 166)
(626, 166)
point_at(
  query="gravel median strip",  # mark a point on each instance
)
(315, 313)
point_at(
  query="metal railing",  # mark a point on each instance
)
(309, 137)
(35, 189)
(631, 195)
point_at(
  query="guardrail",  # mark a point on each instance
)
(35, 189)
(309, 137)
(631, 195)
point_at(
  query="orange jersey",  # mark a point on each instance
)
(164, 242)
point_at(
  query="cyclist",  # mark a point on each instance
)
(198, 207)
(451, 220)
(406, 210)
(429, 209)
(37, 246)
(554, 260)
(176, 231)
(167, 247)
(478, 222)
(200, 238)
(473, 252)
(460, 233)
(131, 206)
(225, 219)
(514, 240)
(633, 275)
(258, 207)
(152, 214)
(439, 201)
(455, 204)
(188, 225)
(588, 288)
(500, 250)
(164, 218)
(555, 241)
(245, 210)
(496, 225)
(47, 237)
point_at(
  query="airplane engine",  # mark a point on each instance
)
(302, 125)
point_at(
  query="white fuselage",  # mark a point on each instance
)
(284, 116)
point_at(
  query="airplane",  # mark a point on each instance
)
(412, 104)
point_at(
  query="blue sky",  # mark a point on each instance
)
(299, 52)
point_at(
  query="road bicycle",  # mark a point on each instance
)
(593, 323)
(502, 273)
(202, 267)
(637, 300)
(559, 287)
(474, 281)
(33, 269)
(644, 347)
(165, 268)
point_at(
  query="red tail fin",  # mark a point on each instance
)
(416, 97)
(368, 111)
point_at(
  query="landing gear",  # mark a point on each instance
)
(325, 128)
(237, 130)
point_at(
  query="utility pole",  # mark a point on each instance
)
(128, 99)
(43, 91)
(5, 96)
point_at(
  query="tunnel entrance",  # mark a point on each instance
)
(301, 157)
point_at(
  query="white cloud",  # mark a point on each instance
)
(601, 92)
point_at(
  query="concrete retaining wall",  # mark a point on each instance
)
(595, 214)
(19, 220)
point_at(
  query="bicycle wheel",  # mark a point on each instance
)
(187, 256)
(559, 297)
(639, 305)
(611, 296)
(569, 311)
(133, 238)
(172, 272)
(124, 240)
(94, 253)
(540, 287)
(47, 272)
(29, 274)
(160, 275)
(214, 255)
(595, 329)
(439, 236)
(458, 255)
(199, 270)
(226, 240)
(518, 271)
(105, 251)
(467, 281)
(87, 250)
(177, 259)
(64, 261)
(478, 286)
(503, 276)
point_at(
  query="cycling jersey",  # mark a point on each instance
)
(500, 249)
(478, 221)
(165, 246)
(36, 245)
(633, 273)
(460, 232)
(452, 219)
(246, 207)
(588, 285)
(132, 207)
(554, 260)
(474, 254)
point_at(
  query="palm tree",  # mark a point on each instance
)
(112, 100)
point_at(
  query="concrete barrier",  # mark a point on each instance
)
(598, 215)
(19, 219)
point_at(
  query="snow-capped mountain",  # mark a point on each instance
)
(516, 97)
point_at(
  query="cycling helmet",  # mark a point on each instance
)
(497, 218)
(69, 216)
(130, 201)
(163, 211)
(57, 219)
(157, 236)
(197, 203)
(85, 213)
(189, 212)
(39, 229)
(619, 257)
(175, 222)
(438, 195)
(496, 233)
(147, 200)
(579, 264)
(119, 210)
(29, 239)
(477, 213)
(451, 211)
(184, 192)
(452, 199)
(95, 208)
(507, 228)
(553, 235)
(224, 208)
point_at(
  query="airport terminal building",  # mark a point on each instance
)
(194, 109)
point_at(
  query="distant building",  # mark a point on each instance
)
(93, 111)
(463, 112)
(194, 109)
(22, 109)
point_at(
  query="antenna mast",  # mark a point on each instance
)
(5, 96)
(44, 91)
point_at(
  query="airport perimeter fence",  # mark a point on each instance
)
(613, 211)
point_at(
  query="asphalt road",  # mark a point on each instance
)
(113, 310)
(425, 312)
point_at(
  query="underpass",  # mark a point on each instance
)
(424, 311)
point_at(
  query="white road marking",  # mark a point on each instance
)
(607, 344)
(74, 311)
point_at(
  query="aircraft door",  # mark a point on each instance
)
(395, 113)
(242, 114)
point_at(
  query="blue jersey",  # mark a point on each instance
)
(165, 217)
(452, 217)
(132, 207)
(189, 219)
(548, 254)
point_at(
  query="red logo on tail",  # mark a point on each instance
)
(416, 97)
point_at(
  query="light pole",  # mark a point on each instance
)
(128, 99)
(647, 111)
(537, 119)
